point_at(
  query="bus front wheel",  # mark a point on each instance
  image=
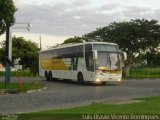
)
(80, 78)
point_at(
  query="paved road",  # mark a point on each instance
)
(66, 94)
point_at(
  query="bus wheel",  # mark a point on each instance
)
(80, 78)
(103, 83)
(46, 75)
(50, 76)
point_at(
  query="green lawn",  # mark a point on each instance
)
(20, 73)
(150, 106)
(25, 86)
(142, 73)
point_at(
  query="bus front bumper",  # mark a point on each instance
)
(110, 78)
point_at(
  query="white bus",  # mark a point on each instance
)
(96, 62)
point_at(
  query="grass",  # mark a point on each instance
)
(25, 86)
(150, 106)
(142, 73)
(20, 73)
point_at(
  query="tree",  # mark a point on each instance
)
(134, 37)
(7, 10)
(1, 55)
(2, 52)
(73, 40)
(152, 58)
(24, 50)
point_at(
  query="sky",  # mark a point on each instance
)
(57, 20)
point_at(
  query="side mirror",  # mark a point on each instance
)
(124, 55)
(95, 55)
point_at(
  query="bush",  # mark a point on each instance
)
(35, 67)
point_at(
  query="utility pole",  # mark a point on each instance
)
(8, 52)
(7, 57)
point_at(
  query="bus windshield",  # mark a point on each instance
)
(108, 61)
(108, 57)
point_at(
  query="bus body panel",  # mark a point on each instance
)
(69, 65)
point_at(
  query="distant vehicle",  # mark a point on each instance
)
(96, 62)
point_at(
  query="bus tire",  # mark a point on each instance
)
(103, 83)
(80, 78)
(50, 76)
(46, 76)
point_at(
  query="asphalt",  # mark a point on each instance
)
(63, 94)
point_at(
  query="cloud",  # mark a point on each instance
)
(78, 17)
(111, 6)
(80, 3)
(136, 12)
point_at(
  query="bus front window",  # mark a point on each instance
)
(108, 61)
(108, 57)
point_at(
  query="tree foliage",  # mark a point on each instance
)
(2, 51)
(153, 59)
(24, 50)
(73, 40)
(7, 10)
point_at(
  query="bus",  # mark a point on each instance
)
(96, 62)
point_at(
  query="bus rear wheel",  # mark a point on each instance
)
(46, 76)
(50, 76)
(80, 78)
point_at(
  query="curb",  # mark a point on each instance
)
(10, 91)
(37, 90)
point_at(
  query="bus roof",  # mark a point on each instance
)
(77, 44)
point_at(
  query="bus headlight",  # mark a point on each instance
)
(97, 80)
(99, 73)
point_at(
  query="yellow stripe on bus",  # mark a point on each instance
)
(54, 64)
